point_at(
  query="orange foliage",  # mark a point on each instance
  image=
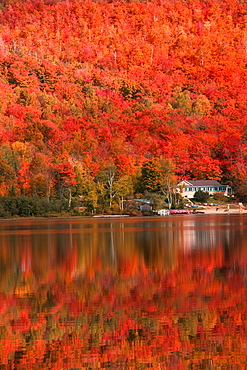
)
(168, 80)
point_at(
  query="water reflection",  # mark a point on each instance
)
(77, 244)
(162, 293)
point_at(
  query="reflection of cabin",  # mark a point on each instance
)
(189, 187)
(144, 205)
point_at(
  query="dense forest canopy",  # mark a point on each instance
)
(90, 91)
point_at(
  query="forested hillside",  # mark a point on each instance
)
(94, 92)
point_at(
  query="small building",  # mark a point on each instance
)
(187, 188)
(144, 205)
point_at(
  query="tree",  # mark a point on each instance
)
(24, 178)
(150, 177)
(7, 177)
(114, 186)
(157, 176)
(168, 183)
(86, 188)
(201, 196)
(65, 179)
(123, 188)
(241, 193)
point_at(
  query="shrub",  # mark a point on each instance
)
(201, 196)
(24, 206)
(221, 198)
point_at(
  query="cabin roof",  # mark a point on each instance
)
(202, 183)
(145, 201)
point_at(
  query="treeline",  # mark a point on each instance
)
(23, 206)
(92, 92)
(109, 192)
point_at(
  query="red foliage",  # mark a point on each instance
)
(166, 79)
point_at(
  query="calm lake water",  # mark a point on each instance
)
(131, 293)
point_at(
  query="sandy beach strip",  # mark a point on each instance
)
(223, 210)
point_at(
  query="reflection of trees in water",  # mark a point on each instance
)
(117, 292)
(158, 248)
(119, 247)
(168, 319)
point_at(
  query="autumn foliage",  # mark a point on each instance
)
(87, 85)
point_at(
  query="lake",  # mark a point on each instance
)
(130, 293)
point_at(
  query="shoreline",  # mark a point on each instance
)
(223, 210)
(206, 210)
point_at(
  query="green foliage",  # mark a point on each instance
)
(182, 102)
(175, 201)
(150, 177)
(221, 198)
(23, 206)
(130, 92)
(157, 176)
(157, 200)
(113, 188)
(27, 206)
(201, 196)
(6, 171)
(241, 193)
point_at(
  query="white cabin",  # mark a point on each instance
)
(187, 188)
